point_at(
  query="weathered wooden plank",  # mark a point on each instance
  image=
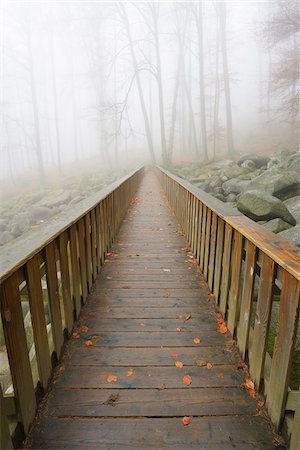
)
(262, 319)
(246, 301)
(295, 436)
(145, 293)
(218, 263)
(236, 264)
(65, 280)
(75, 269)
(93, 239)
(284, 346)
(15, 340)
(54, 303)
(226, 272)
(199, 240)
(5, 438)
(37, 311)
(150, 403)
(179, 313)
(203, 231)
(82, 259)
(155, 338)
(84, 377)
(163, 284)
(207, 243)
(114, 356)
(88, 249)
(203, 433)
(147, 302)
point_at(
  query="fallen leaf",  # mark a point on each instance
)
(187, 379)
(260, 405)
(200, 362)
(109, 278)
(167, 295)
(222, 328)
(75, 335)
(88, 342)
(111, 378)
(221, 376)
(83, 329)
(162, 387)
(142, 325)
(249, 384)
(209, 365)
(186, 420)
(196, 340)
(174, 354)
(251, 392)
(179, 364)
(129, 373)
(187, 317)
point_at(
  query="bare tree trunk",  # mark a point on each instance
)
(54, 87)
(123, 14)
(230, 145)
(116, 149)
(201, 83)
(216, 96)
(32, 81)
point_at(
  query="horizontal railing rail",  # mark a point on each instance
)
(45, 279)
(255, 278)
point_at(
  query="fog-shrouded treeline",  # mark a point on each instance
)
(123, 83)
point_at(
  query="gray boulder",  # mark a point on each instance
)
(292, 235)
(39, 213)
(257, 160)
(231, 198)
(55, 199)
(274, 182)
(260, 205)
(277, 225)
(234, 171)
(235, 186)
(293, 205)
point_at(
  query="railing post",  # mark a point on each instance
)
(5, 438)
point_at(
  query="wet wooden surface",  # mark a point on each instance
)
(117, 386)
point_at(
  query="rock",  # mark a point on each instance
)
(203, 186)
(257, 160)
(235, 186)
(219, 190)
(234, 171)
(293, 162)
(293, 205)
(231, 198)
(5, 237)
(55, 199)
(3, 225)
(277, 225)
(292, 235)
(248, 164)
(39, 213)
(198, 178)
(220, 197)
(274, 182)
(215, 182)
(260, 205)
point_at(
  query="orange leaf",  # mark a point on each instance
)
(187, 317)
(111, 378)
(83, 329)
(174, 354)
(129, 373)
(249, 384)
(222, 328)
(186, 420)
(88, 342)
(75, 335)
(179, 364)
(187, 379)
(196, 340)
(209, 365)
(251, 392)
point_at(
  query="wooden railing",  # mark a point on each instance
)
(254, 276)
(52, 271)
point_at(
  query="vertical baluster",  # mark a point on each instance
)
(88, 244)
(236, 264)
(203, 229)
(75, 269)
(226, 269)
(52, 283)
(212, 253)
(5, 438)
(207, 242)
(82, 258)
(218, 264)
(65, 280)
(295, 436)
(37, 311)
(16, 345)
(199, 232)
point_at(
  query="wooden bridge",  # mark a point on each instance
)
(151, 303)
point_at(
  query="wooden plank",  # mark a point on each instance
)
(37, 311)
(5, 438)
(203, 229)
(236, 264)
(212, 253)
(151, 378)
(88, 249)
(203, 433)
(150, 403)
(226, 273)
(199, 240)
(98, 237)
(247, 297)
(295, 436)
(139, 302)
(141, 285)
(82, 258)
(219, 256)
(16, 345)
(145, 293)
(284, 347)
(75, 269)
(114, 356)
(65, 280)
(53, 293)
(154, 339)
(207, 243)
(262, 319)
(93, 239)
(121, 312)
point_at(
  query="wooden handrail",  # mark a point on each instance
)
(236, 256)
(66, 255)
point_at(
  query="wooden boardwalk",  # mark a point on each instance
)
(117, 386)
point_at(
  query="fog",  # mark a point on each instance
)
(111, 85)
